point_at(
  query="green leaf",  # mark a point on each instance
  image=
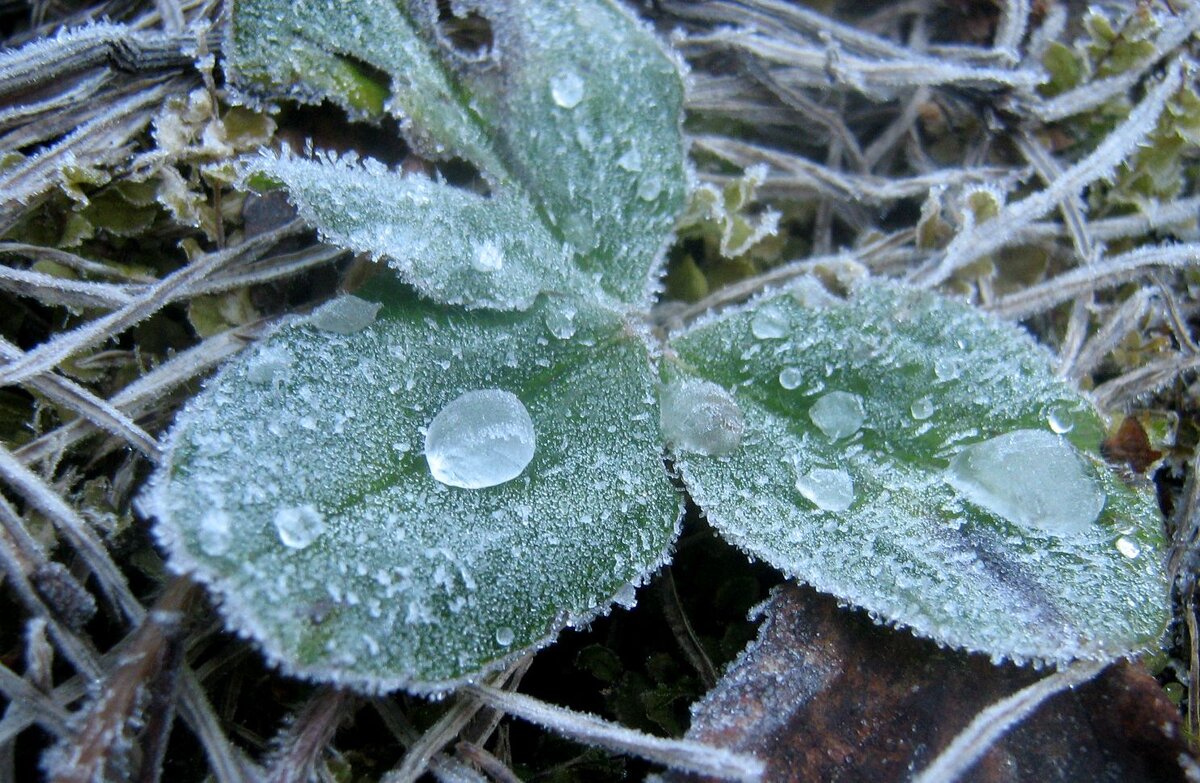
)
(855, 427)
(408, 581)
(576, 108)
(455, 246)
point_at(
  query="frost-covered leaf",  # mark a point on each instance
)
(575, 105)
(454, 246)
(912, 456)
(301, 486)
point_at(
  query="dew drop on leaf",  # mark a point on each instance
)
(345, 315)
(630, 160)
(649, 188)
(561, 321)
(922, 408)
(1058, 416)
(770, 323)
(829, 489)
(1031, 477)
(566, 88)
(299, 526)
(270, 365)
(504, 636)
(945, 369)
(838, 414)
(480, 439)
(701, 417)
(1128, 547)
(791, 377)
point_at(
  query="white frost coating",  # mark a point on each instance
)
(829, 489)
(701, 417)
(488, 256)
(214, 533)
(299, 526)
(345, 315)
(838, 414)
(480, 439)
(770, 323)
(566, 88)
(1030, 477)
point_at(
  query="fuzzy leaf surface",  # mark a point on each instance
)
(575, 108)
(413, 583)
(932, 378)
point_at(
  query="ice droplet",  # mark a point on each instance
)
(701, 417)
(922, 409)
(829, 489)
(838, 414)
(566, 88)
(1058, 416)
(561, 321)
(770, 323)
(299, 526)
(215, 532)
(1128, 547)
(480, 439)
(945, 369)
(1030, 477)
(630, 160)
(488, 257)
(650, 187)
(791, 377)
(269, 365)
(345, 315)
(504, 636)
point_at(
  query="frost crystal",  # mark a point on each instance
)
(480, 439)
(1029, 477)
(701, 417)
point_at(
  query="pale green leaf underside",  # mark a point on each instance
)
(577, 106)
(414, 583)
(455, 246)
(910, 548)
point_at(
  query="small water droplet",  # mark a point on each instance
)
(215, 532)
(946, 369)
(791, 377)
(480, 439)
(1058, 416)
(650, 187)
(269, 365)
(345, 315)
(1030, 477)
(838, 414)
(504, 636)
(630, 160)
(561, 321)
(566, 88)
(299, 526)
(922, 409)
(770, 323)
(701, 417)
(488, 257)
(1128, 547)
(829, 489)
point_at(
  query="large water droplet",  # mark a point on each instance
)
(791, 377)
(345, 315)
(838, 414)
(488, 257)
(770, 323)
(701, 417)
(922, 408)
(566, 88)
(1030, 477)
(829, 489)
(215, 532)
(480, 439)
(298, 527)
